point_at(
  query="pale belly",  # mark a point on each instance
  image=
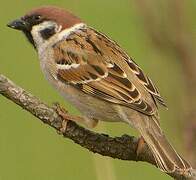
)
(95, 108)
(91, 107)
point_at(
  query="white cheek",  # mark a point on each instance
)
(36, 36)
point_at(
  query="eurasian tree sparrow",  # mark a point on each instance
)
(98, 77)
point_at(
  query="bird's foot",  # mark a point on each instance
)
(140, 145)
(63, 113)
(90, 123)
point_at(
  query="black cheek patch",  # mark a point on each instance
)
(48, 32)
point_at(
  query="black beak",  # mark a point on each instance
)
(18, 24)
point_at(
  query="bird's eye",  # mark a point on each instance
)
(37, 18)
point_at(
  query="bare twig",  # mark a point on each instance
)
(123, 147)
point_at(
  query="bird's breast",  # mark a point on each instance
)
(89, 106)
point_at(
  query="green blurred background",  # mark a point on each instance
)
(148, 31)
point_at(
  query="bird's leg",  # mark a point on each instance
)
(90, 123)
(140, 145)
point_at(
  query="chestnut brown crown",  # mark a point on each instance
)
(45, 13)
(62, 17)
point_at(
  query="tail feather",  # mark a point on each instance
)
(162, 160)
(166, 157)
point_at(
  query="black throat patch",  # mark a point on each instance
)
(30, 38)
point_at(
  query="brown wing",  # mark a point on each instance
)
(146, 81)
(90, 62)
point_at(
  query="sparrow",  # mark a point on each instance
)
(98, 77)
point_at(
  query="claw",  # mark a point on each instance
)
(63, 128)
(61, 112)
(90, 123)
(140, 145)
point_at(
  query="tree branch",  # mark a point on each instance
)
(123, 147)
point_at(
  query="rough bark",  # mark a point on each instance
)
(123, 147)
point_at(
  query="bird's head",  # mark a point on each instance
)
(42, 23)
